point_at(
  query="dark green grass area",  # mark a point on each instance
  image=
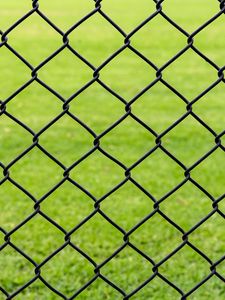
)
(68, 141)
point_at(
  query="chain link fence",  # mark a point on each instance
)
(98, 9)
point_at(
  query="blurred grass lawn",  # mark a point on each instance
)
(127, 74)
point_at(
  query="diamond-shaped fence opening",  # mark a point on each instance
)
(37, 181)
(98, 114)
(31, 99)
(202, 76)
(180, 144)
(125, 134)
(48, 42)
(65, 73)
(146, 107)
(37, 225)
(68, 259)
(127, 206)
(73, 135)
(131, 65)
(108, 174)
(112, 149)
(74, 205)
(155, 245)
(84, 40)
(161, 165)
(97, 234)
(123, 264)
(159, 32)
(187, 206)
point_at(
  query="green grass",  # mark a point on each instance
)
(68, 141)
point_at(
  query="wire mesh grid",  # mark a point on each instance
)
(155, 266)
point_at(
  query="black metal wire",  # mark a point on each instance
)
(98, 9)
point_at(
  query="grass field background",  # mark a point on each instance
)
(127, 74)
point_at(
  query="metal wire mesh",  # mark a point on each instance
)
(185, 242)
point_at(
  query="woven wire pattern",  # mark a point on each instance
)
(98, 8)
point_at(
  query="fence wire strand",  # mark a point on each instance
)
(98, 9)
